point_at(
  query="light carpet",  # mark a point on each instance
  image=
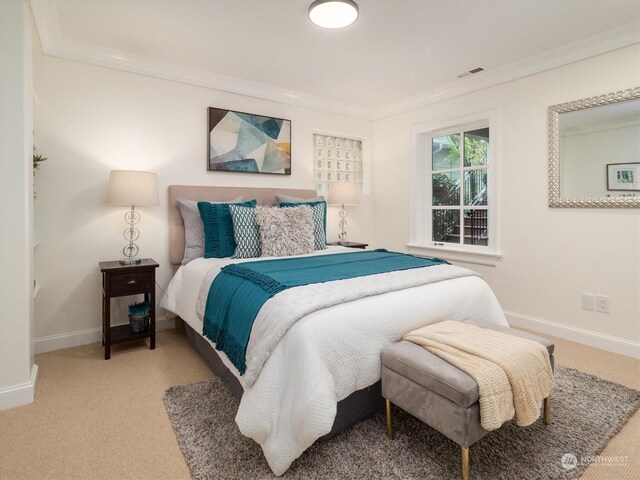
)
(586, 413)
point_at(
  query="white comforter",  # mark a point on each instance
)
(290, 398)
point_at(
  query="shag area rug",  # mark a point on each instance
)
(586, 413)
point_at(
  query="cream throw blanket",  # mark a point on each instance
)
(513, 374)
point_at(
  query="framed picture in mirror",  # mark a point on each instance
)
(623, 176)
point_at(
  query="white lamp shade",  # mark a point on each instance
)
(343, 194)
(129, 187)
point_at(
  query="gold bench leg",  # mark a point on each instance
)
(546, 415)
(389, 424)
(465, 464)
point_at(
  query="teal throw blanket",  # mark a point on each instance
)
(239, 290)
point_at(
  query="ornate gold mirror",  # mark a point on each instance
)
(594, 151)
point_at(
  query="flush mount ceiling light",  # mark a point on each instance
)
(333, 13)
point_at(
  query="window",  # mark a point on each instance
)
(336, 159)
(459, 165)
(453, 197)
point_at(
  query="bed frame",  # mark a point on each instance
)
(357, 406)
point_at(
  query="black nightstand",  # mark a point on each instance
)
(121, 280)
(350, 244)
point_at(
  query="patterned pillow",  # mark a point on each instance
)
(285, 231)
(193, 234)
(218, 228)
(319, 210)
(245, 231)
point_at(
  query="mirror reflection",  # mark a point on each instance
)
(600, 151)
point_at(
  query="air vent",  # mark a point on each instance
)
(471, 72)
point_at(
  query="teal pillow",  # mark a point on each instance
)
(245, 231)
(218, 228)
(319, 210)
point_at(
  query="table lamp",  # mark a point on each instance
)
(133, 188)
(343, 194)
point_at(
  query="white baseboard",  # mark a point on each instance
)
(21, 394)
(602, 341)
(587, 337)
(82, 337)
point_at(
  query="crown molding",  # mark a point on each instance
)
(600, 127)
(45, 14)
(604, 42)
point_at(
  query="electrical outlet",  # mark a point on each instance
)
(602, 304)
(588, 301)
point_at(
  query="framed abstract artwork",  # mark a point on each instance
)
(244, 142)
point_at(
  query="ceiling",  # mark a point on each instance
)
(602, 117)
(397, 48)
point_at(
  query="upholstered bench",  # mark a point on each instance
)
(439, 394)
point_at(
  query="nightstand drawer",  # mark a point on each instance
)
(124, 283)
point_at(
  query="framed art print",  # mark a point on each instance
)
(623, 176)
(245, 142)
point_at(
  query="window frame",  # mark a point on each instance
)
(421, 207)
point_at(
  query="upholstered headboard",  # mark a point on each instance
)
(264, 196)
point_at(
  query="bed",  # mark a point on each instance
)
(324, 373)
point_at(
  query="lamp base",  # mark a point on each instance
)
(130, 261)
(342, 236)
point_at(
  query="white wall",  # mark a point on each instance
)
(550, 255)
(90, 120)
(17, 371)
(585, 158)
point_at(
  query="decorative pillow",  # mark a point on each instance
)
(319, 210)
(193, 234)
(218, 228)
(285, 231)
(245, 231)
(282, 198)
